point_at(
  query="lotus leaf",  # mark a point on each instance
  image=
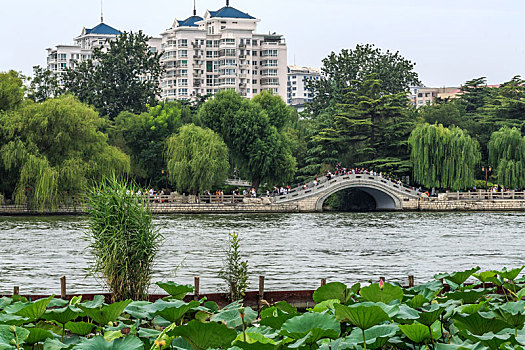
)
(174, 310)
(180, 344)
(55, 344)
(308, 328)
(80, 328)
(467, 297)
(274, 318)
(37, 335)
(176, 291)
(56, 302)
(62, 315)
(11, 319)
(457, 277)
(105, 313)
(513, 313)
(417, 301)
(284, 306)
(140, 310)
(430, 314)
(326, 305)
(477, 324)
(334, 290)
(99, 343)
(232, 317)
(429, 290)
(4, 301)
(510, 274)
(8, 336)
(98, 301)
(417, 333)
(485, 276)
(375, 293)
(32, 310)
(376, 337)
(364, 315)
(202, 336)
(491, 340)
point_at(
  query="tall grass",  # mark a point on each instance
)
(123, 240)
(234, 271)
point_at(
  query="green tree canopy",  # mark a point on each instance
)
(11, 90)
(143, 137)
(507, 155)
(55, 149)
(44, 85)
(197, 159)
(443, 157)
(257, 148)
(123, 78)
(345, 70)
(370, 128)
(280, 115)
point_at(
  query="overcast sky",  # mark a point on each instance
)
(450, 40)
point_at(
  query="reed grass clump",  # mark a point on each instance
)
(123, 239)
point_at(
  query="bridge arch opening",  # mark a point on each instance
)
(358, 198)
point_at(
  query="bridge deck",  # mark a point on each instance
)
(326, 185)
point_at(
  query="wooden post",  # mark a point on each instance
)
(411, 281)
(261, 290)
(323, 281)
(196, 282)
(63, 287)
(16, 290)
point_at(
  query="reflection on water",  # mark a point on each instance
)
(293, 251)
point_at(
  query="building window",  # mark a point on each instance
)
(183, 42)
(183, 53)
(254, 81)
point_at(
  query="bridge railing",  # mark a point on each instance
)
(166, 200)
(325, 182)
(484, 195)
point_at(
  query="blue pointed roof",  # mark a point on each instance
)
(103, 28)
(190, 21)
(230, 12)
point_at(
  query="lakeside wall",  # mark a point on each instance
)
(239, 208)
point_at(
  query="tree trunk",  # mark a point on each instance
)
(256, 182)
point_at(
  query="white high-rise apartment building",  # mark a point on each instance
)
(298, 93)
(222, 51)
(67, 56)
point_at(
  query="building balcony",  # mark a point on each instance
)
(196, 45)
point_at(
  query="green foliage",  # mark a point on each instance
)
(176, 291)
(235, 270)
(123, 240)
(197, 159)
(258, 149)
(143, 137)
(11, 90)
(436, 322)
(349, 67)
(44, 85)
(55, 150)
(443, 157)
(507, 154)
(125, 77)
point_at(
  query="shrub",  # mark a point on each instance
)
(124, 242)
(235, 271)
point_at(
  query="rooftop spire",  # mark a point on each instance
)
(101, 12)
(227, 2)
(195, 7)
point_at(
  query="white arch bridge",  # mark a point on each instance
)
(387, 194)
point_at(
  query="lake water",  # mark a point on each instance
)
(293, 251)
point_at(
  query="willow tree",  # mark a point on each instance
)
(55, 150)
(443, 157)
(507, 155)
(197, 159)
